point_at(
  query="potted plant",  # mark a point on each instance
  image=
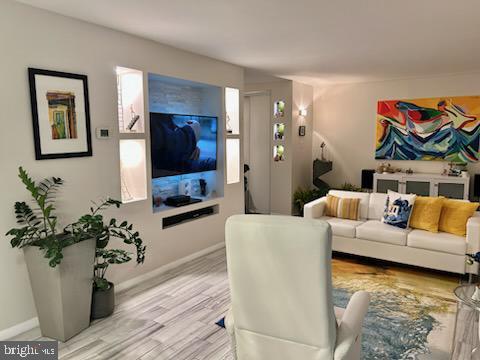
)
(93, 225)
(304, 196)
(59, 264)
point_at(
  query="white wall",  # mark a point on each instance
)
(296, 170)
(345, 119)
(302, 145)
(35, 38)
(280, 171)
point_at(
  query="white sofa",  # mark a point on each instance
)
(371, 238)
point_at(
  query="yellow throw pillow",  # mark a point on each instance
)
(342, 208)
(455, 215)
(426, 213)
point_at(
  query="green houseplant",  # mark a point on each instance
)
(93, 225)
(59, 264)
(304, 196)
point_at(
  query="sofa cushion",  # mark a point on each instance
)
(376, 205)
(426, 213)
(342, 227)
(375, 230)
(398, 209)
(442, 242)
(343, 208)
(364, 199)
(454, 216)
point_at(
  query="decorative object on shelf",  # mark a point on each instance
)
(134, 118)
(322, 146)
(301, 130)
(278, 153)
(456, 169)
(409, 171)
(279, 108)
(279, 131)
(429, 129)
(93, 225)
(386, 169)
(60, 114)
(228, 125)
(59, 265)
(193, 187)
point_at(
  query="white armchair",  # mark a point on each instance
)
(281, 289)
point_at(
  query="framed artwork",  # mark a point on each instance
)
(60, 114)
(278, 153)
(279, 108)
(279, 131)
(446, 128)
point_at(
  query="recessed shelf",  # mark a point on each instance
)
(133, 171)
(233, 161)
(232, 109)
(131, 114)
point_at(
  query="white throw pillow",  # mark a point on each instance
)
(398, 209)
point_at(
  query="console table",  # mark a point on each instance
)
(423, 184)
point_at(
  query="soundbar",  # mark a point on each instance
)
(188, 216)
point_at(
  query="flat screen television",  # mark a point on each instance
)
(182, 144)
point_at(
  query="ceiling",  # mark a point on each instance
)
(315, 41)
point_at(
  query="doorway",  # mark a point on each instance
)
(257, 148)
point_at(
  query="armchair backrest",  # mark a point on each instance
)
(281, 287)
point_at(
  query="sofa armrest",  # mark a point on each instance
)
(350, 330)
(315, 208)
(473, 240)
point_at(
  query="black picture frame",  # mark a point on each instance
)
(32, 73)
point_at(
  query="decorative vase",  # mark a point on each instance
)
(103, 302)
(62, 294)
(476, 294)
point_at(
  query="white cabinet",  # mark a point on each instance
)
(423, 184)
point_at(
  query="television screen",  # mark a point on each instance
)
(182, 144)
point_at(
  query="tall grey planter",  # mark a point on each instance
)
(63, 294)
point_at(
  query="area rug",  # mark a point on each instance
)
(411, 314)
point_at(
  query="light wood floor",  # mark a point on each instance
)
(173, 317)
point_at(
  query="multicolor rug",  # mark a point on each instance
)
(411, 314)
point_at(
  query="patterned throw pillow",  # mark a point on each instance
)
(398, 209)
(342, 208)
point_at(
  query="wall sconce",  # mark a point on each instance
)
(303, 112)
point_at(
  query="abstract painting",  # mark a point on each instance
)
(429, 129)
(60, 114)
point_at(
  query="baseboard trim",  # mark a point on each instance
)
(162, 269)
(25, 326)
(18, 329)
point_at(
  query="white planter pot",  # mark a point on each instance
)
(63, 294)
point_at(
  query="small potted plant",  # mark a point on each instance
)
(93, 225)
(59, 265)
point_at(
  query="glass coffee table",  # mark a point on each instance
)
(464, 294)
